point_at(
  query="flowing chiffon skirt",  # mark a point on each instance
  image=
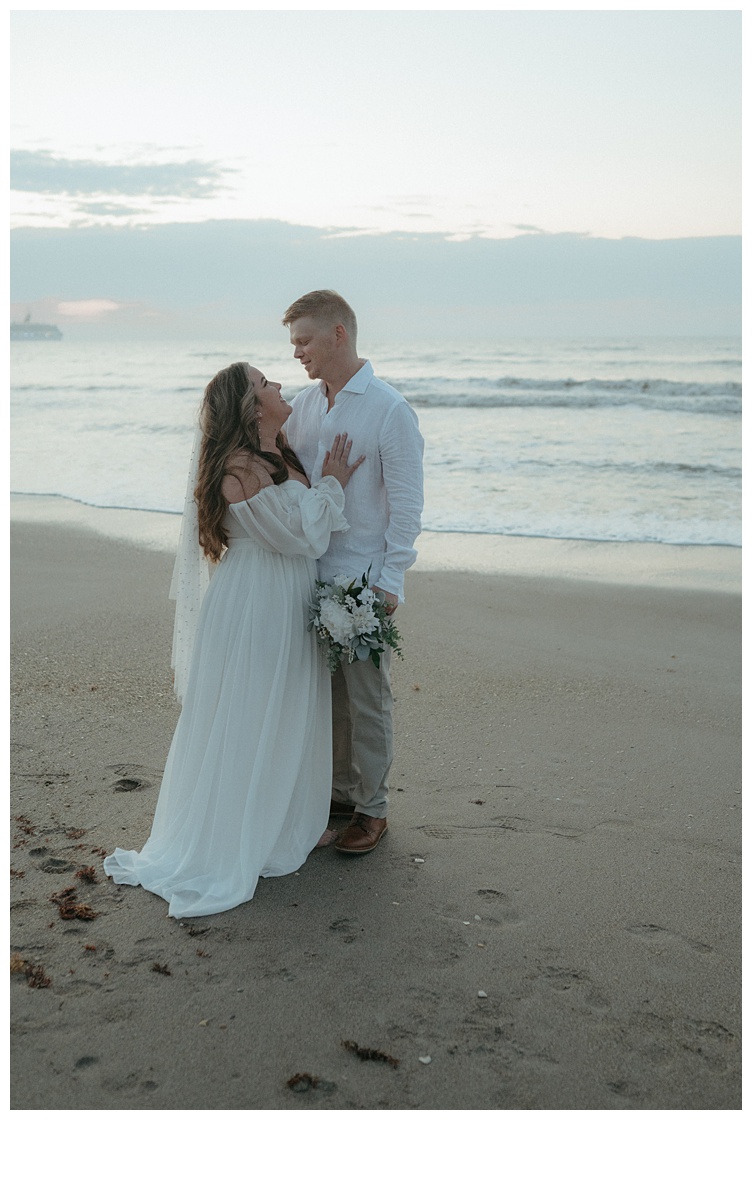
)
(247, 783)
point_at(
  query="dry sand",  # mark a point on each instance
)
(553, 919)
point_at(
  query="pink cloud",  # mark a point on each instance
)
(86, 308)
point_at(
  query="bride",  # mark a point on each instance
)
(247, 784)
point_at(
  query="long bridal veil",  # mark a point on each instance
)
(190, 577)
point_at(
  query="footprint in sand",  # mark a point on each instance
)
(346, 927)
(567, 979)
(57, 866)
(665, 939)
(134, 777)
(503, 909)
(660, 1040)
(130, 784)
(484, 1032)
(711, 1029)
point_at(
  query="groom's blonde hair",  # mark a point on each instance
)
(325, 307)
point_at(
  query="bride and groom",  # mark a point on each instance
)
(268, 747)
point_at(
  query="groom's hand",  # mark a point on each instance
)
(391, 602)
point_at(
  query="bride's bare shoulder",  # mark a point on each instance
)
(244, 477)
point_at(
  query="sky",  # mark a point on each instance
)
(584, 126)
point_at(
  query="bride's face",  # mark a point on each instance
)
(272, 409)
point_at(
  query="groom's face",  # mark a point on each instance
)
(315, 345)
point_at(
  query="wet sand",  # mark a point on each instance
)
(553, 919)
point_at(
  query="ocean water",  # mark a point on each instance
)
(633, 440)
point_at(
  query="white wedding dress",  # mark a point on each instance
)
(247, 784)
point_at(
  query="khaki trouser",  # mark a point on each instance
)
(362, 740)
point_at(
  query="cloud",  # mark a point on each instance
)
(561, 233)
(42, 172)
(106, 208)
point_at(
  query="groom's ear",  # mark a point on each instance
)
(340, 334)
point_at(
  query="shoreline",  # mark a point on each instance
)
(644, 564)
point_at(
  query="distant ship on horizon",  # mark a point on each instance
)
(30, 331)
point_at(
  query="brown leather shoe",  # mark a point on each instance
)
(362, 834)
(338, 808)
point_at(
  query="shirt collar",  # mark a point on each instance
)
(355, 386)
(360, 380)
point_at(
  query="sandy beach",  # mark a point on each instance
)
(552, 922)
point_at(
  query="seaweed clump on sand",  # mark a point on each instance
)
(69, 907)
(367, 1055)
(36, 977)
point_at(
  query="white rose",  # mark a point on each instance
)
(364, 621)
(337, 621)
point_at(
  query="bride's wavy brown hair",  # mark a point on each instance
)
(229, 424)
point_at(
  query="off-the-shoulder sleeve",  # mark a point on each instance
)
(294, 520)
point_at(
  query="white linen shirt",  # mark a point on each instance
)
(384, 498)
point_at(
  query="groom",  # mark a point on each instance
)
(383, 503)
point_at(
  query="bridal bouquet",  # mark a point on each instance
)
(351, 622)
